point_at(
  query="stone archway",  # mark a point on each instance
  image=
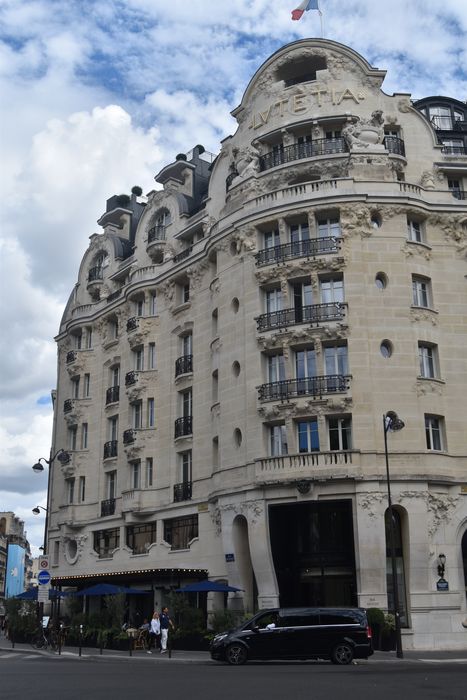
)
(401, 544)
(464, 560)
(243, 561)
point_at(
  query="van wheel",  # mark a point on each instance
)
(342, 654)
(236, 654)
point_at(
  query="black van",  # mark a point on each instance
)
(338, 634)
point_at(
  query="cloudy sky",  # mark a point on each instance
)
(96, 96)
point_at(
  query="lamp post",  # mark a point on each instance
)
(392, 422)
(63, 457)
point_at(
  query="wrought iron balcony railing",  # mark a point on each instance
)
(183, 426)
(110, 449)
(67, 406)
(308, 386)
(114, 295)
(314, 313)
(131, 378)
(298, 151)
(394, 145)
(184, 254)
(182, 492)
(112, 394)
(156, 233)
(454, 150)
(183, 365)
(132, 323)
(71, 356)
(307, 248)
(129, 436)
(459, 194)
(107, 507)
(95, 274)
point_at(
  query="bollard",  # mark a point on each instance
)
(60, 632)
(131, 644)
(12, 640)
(80, 638)
(169, 645)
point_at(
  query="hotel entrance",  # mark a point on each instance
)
(313, 552)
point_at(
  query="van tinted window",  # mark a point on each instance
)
(300, 620)
(340, 617)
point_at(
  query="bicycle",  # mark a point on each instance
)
(43, 639)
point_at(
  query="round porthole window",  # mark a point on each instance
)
(386, 348)
(381, 280)
(376, 220)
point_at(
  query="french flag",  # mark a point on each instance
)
(304, 7)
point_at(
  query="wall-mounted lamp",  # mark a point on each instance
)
(441, 565)
(38, 509)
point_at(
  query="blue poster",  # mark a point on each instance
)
(14, 570)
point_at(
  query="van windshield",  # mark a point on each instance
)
(268, 620)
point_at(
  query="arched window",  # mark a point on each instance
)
(400, 572)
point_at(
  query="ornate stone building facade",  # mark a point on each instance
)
(234, 340)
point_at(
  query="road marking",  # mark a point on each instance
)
(444, 661)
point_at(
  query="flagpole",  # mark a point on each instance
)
(321, 21)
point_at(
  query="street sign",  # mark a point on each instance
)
(43, 563)
(43, 594)
(43, 577)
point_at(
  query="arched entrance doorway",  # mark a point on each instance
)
(400, 571)
(243, 559)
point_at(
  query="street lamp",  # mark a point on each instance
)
(36, 510)
(392, 422)
(63, 457)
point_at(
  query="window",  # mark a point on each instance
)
(332, 290)
(415, 231)
(454, 147)
(305, 363)
(186, 402)
(152, 356)
(421, 291)
(278, 440)
(186, 466)
(72, 434)
(113, 328)
(336, 360)
(152, 304)
(149, 472)
(140, 537)
(456, 187)
(137, 411)
(299, 232)
(215, 387)
(88, 338)
(271, 239)
(84, 436)
(428, 358)
(135, 470)
(87, 386)
(112, 426)
(214, 323)
(440, 117)
(82, 489)
(115, 376)
(139, 307)
(105, 541)
(276, 368)
(187, 342)
(274, 300)
(185, 293)
(75, 388)
(151, 413)
(70, 490)
(340, 433)
(138, 356)
(178, 532)
(434, 433)
(308, 438)
(329, 228)
(303, 298)
(111, 484)
(78, 340)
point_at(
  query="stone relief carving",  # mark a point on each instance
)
(74, 416)
(244, 242)
(69, 542)
(424, 387)
(357, 218)
(252, 510)
(208, 224)
(416, 250)
(133, 452)
(440, 507)
(168, 290)
(371, 503)
(363, 134)
(216, 517)
(246, 162)
(196, 273)
(427, 180)
(423, 315)
(138, 337)
(404, 105)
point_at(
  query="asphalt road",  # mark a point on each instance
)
(25, 675)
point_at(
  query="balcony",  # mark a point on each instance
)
(459, 194)
(184, 365)
(71, 356)
(314, 314)
(182, 492)
(131, 378)
(183, 255)
(110, 449)
(67, 406)
(316, 387)
(95, 280)
(394, 145)
(303, 465)
(112, 395)
(156, 243)
(183, 426)
(132, 324)
(299, 151)
(454, 150)
(129, 436)
(308, 248)
(107, 507)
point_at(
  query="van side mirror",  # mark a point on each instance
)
(255, 628)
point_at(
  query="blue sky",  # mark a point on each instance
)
(96, 97)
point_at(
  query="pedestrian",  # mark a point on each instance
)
(166, 622)
(154, 632)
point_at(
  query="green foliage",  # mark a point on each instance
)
(22, 617)
(389, 623)
(115, 608)
(222, 620)
(375, 616)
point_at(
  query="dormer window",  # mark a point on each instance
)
(301, 71)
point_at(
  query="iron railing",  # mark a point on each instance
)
(129, 436)
(110, 449)
(307, 248)
(299, 151)
(308, 386)
(459, 194)
(182, 492)
(107, 507)
(314, 313)
(131, 378)
(183, 254)
(395, 145)
(112, 394)
(454, 150)
(95, 274)
(114, 295)
(156, 233)
(71, 356)
(67, 405)
(183, 426)
(229, 179)
(183, 365)
(132, 323)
